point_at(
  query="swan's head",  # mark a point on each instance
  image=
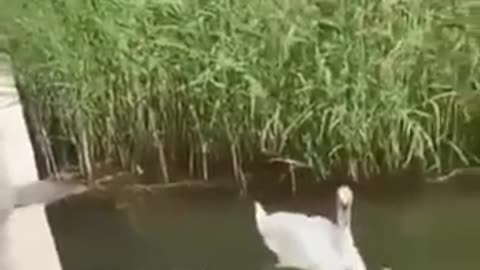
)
(344, 206)
(344, 197)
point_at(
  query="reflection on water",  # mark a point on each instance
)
(436, 231)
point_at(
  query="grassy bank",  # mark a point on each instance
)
(367, 86)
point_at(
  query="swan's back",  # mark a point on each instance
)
(299, 241)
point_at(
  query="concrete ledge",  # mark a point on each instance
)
(26, 241)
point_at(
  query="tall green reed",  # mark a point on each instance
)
(371, 86)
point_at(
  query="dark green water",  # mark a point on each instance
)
(436, 231)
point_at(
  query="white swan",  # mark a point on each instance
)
(311, 243)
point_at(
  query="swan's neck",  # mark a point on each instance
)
(344, 217)
(344, 225)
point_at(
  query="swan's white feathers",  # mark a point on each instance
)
(296, 240)
(311, 243)
(259, 211)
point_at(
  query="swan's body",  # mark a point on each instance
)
(311, 243)
(297, 241)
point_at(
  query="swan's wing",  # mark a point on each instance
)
(302, 242)
(330, 229)
(278, 230)
(284, 234)
(319, 245)
(321, 222)
(346, 249)
(278, 221)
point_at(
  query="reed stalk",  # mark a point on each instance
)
(372, 86)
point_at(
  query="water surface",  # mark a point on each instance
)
(436, 231)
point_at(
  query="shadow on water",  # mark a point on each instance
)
(424, 228)
(170, 234)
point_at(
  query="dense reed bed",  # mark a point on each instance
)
(367, 86)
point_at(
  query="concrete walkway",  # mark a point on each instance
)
(30, 244)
